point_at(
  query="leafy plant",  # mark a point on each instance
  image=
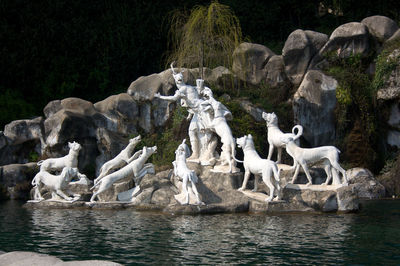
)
(206, 37)
(385, 64)
(167, 140)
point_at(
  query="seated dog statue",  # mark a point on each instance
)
(254, 164)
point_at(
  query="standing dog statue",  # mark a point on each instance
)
(118, 161)
(216, 115)
(136, 167)
(275, 135)
(185, 174)
(56, 164)
(328, 155)
(254, 164)
(56, 183)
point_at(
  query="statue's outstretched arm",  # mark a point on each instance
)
(175, 97)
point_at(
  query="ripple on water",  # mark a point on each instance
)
(127, 236)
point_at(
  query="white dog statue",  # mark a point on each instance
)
(254, 164)
(185, 174)
(56, 183)
(328, 155)
(136, 168)
(216, 122)
(120, 160)
(56, 164)
(275, 135)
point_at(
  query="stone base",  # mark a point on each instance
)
(314, 187)
(129, 195)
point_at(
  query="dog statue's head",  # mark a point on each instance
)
(183, 148)
(270, 118)
(75, 146)
(147, 151)
(244, 141)
(135, 140)
(68, 173)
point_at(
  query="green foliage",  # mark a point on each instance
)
(243, 124)
(355, 95)
(385, 65)
(167, 140)
(356, 117)
(206, 38)
(33, 156)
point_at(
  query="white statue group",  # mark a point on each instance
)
(57, 184)
(208, 122)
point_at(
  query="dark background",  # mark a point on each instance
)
(92, 49)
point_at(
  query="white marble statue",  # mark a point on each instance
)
(120, 160)
(189, 96)
(57, 184)
(185, 174)
(56, 164)
(214, 119)
(136, 167)
(254, 164)
(328, 155)
(275, 135)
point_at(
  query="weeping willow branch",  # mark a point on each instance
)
(206, 37)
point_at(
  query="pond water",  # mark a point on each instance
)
(371, 236)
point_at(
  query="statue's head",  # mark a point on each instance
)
(149, 150)
(244, 141)
(183, 148)
(135, 140)
(68, 173)
(178, 77)
(75, 146)
(270, 118)
(207, 93)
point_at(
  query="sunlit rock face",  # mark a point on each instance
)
(249, 60)
(313, 108)
(381, 27)
(300, 47)
(348, 39)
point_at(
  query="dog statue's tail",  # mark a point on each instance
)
(40, 162)
(96, 185)
(34, 183)
(299, 131)
(233, 148)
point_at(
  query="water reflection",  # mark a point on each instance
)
(128, 236)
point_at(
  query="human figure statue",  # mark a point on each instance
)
(189, 96)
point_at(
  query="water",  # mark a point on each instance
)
(130, 237)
